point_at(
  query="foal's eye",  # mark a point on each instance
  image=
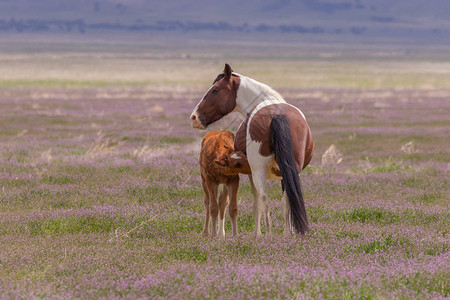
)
(215, 92)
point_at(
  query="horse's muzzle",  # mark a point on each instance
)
(195, 122)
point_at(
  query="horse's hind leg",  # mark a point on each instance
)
(233, 187)
(206, 204)
(223, 204)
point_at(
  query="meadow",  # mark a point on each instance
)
(100, 190)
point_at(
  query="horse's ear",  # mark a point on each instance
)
(227, 71)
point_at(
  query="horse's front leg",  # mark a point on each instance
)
(233, 187)
(256, 213)
(261, 201)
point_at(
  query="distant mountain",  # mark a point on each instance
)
(412, 18)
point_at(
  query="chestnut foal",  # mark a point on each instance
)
(220, 164)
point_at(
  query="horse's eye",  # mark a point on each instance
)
(215, 92)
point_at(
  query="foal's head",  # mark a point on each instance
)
(234, 162)
(218, 101)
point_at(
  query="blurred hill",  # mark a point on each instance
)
(418, 19)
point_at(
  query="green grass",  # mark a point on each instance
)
(190, 254)
(58, 180)
(374, 216)
(426, 198)
(365, 215)
(380, 245)
(159, 193)
(71, 225)
(420, 282)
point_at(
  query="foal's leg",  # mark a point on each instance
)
(206, 204)
(233, 187)
(213, 206)
(223, 204)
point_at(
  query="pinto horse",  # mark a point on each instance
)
(274, 135)
(220, 164)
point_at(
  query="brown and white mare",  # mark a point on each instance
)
(220, 164)
(274, 136)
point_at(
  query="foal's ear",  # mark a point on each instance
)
(227, 71)
(223, 162)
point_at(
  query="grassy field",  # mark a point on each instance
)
(100, 193)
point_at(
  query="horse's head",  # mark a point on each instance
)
(218, 101)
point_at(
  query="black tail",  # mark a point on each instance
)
(283, 148)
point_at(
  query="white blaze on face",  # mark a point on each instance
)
(235, 156)
(195, 122)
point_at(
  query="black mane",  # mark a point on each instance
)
(222, 75)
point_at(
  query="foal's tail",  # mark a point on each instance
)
(283, 148)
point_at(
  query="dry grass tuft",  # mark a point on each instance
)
(103, 145)
(366, 164)
(47, 155)
(332, 156)
(145, 153)
(409, 148)
(157, 108)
